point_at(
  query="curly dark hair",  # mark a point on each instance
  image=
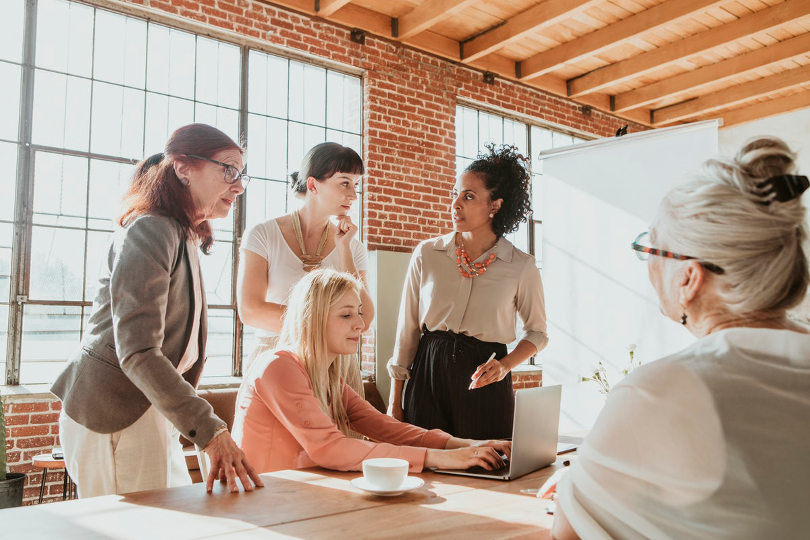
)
(506, 176)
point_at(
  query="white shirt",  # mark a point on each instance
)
(190, 356)
(436, 295)
(711, 442)
(284, 268)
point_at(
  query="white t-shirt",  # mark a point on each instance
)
(284, 268)
(711, 442)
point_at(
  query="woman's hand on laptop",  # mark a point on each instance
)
(464, 458)
(503, 447)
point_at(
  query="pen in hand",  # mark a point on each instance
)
(475, 380)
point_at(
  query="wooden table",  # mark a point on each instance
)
(310, 503)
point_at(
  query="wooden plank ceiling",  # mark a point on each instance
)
(657, 62)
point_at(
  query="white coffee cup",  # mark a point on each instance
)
(385, 473)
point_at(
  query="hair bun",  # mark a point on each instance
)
(296, 184)
(765, 157)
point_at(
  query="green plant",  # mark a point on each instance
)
(599, 375)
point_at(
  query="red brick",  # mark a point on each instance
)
(28, 407)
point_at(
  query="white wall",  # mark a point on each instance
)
(793, 128)
(387, 271)
(596, 198)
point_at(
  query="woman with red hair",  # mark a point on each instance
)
(131, 387)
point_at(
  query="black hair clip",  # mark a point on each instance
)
(782, 188)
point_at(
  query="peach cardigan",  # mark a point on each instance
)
(279, 424)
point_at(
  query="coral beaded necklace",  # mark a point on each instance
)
(466, 266)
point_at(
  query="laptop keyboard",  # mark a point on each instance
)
(495, 472)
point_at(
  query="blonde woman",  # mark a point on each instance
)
(294, 409)
(712, 441)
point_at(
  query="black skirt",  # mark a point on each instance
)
(437, 396)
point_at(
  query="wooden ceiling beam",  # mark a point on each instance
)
(533, 19)
(355, 16)
(692, 81)
(604, 38)
(640, 64)
(428, 14)
(765, 109)
(327, 8)
(734, 94)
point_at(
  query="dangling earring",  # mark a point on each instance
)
(683, 319)
(184, 181)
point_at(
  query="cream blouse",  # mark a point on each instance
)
(436, 295)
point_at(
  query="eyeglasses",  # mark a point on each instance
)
(644, 250)
(232, 174)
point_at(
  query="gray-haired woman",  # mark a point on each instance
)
(713, 441)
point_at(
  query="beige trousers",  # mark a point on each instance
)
(145, 455)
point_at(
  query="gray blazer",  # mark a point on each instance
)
(140, 328)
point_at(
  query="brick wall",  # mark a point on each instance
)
(409, 148)
(32, 428)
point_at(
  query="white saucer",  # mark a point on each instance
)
(410, 483)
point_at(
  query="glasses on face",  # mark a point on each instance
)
(232, 174)
(643, 250)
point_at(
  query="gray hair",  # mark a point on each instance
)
(721, 218)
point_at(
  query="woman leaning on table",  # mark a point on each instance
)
(459, 303)
(278, 253)
(131, 386)
(712, 441)
(295, 410)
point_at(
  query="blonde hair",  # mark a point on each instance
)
(723, 218)
(303, 331)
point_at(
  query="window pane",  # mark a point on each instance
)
(267, 200)
(469, 131)
(50, 335)
(10, 98)
(514, 133)
(307, 93)
(8, 170)
(6, 237)
(61, 111)
(219, 348)
(561, 139)
(117, 121)
(218, 73)
(343, 102)
(170, 62)
(267, 84)
(226, 120)
(12, 24)
(56, 270)
(65, 37)
(538, 242)
(301, 139)
(216, 269)
(490, 130)
(119, 55)
(163, 116)
(98, 244)
(3, 338)
(108, 183)
(346, 139)
(267, 148)
(60, 190)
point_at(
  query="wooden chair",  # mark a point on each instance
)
(47, 461)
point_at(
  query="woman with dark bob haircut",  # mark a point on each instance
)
(276, 254)
(459, 302)
(131, 387)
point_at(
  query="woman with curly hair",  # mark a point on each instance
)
(459, 302)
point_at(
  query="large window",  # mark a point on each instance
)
(476, 128)
(104, 91)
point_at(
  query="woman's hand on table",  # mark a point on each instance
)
(504, 447)
(228, 463)
(489, 372)
(464, 458)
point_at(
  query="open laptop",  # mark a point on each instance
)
(534, 435)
